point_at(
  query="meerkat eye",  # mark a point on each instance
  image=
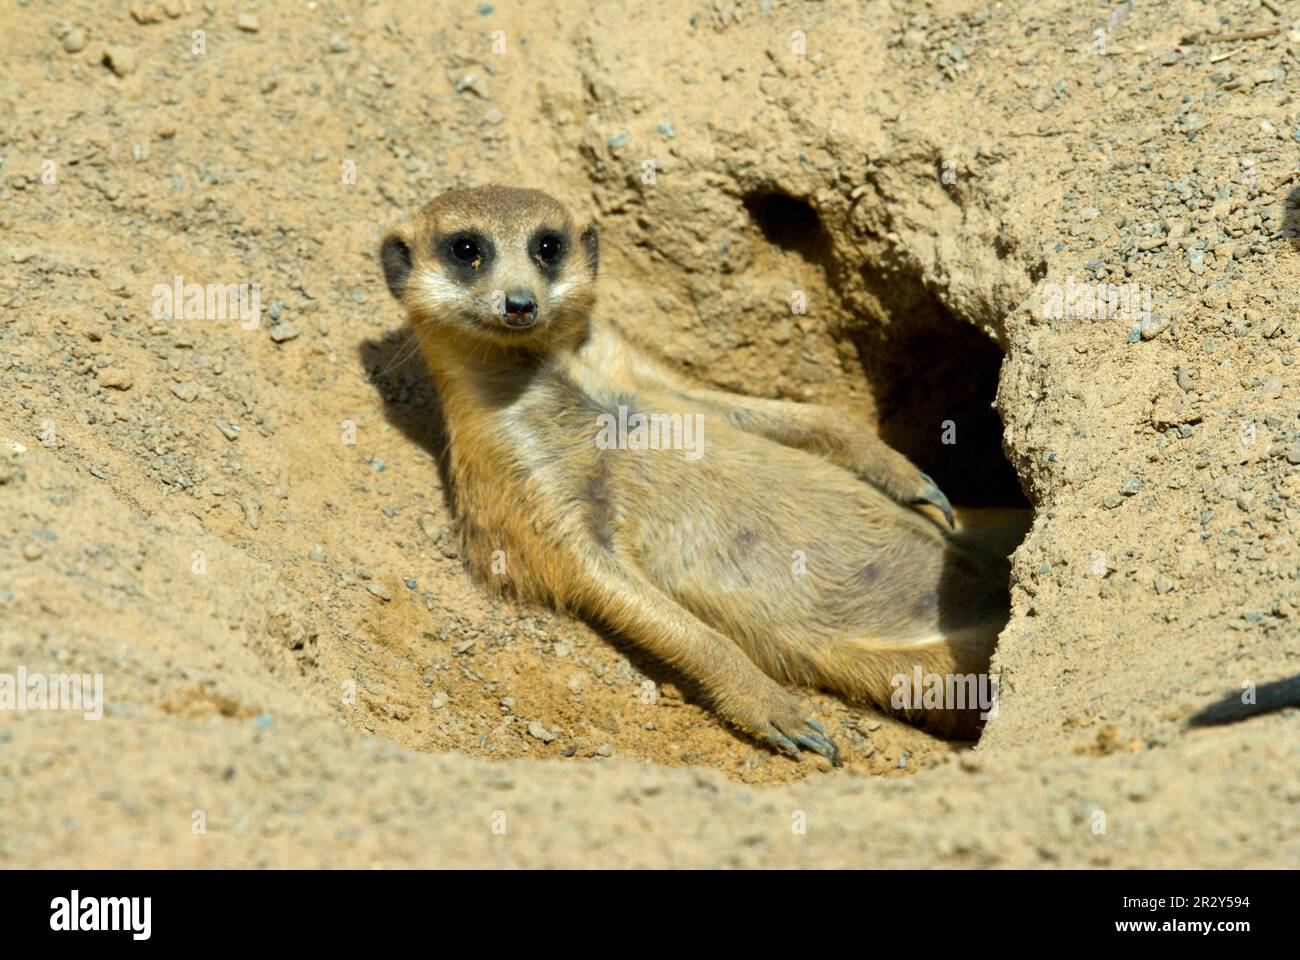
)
(548, 248)
(464, 249)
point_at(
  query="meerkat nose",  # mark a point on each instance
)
(521, 310)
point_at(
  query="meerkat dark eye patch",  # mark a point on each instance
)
(591, 246)
(395, 258)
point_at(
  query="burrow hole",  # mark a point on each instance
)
(932, 374)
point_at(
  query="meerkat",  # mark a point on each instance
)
(796, 549)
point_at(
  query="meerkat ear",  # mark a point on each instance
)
(591, 244)
(395, 258)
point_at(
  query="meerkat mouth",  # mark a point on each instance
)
(503, 328)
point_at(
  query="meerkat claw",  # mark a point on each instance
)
(779, 741)
(822, 745)
(817, 742)
(932, 495)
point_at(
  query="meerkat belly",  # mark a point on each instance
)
(757, 538)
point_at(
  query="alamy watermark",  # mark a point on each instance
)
(652, 431)
(1095, 300)
(53, 691)
(77, 913)
(945, 691)
(209, 301)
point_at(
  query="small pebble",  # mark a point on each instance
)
(1152, 326)
(184, 391)
(538, 731)
(475, 83)
(283, 331)
(252, 512)
(145, 13)
(115, 378)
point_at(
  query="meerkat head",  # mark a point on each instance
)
(494, 263)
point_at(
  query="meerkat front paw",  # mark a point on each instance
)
(777, 718)
(890, 471)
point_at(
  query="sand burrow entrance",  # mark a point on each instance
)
(932, 374)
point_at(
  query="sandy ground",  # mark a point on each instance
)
(243, 530)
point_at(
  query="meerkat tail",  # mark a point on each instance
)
(941, 683)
